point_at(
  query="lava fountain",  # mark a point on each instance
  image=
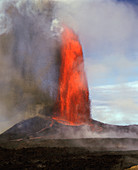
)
(73, 104)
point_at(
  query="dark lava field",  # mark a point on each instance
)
(39, 143)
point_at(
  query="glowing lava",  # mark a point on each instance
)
(73, 104)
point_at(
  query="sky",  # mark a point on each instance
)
(108, 31)
(112, 66)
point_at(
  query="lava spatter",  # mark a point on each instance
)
(73, 104)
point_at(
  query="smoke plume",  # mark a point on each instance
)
(29, 61)
(29, 47)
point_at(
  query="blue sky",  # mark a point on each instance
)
(112, 63)
(134, 2)
(108, 31)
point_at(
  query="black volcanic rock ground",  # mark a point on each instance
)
(39, 143)
(66, 159)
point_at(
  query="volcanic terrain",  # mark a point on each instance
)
(67, 138)
(44, 143)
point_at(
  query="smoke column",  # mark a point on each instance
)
(29, 66)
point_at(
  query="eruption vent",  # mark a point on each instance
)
(73, 105)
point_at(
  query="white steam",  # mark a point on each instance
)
(29, 61)
(107, 30)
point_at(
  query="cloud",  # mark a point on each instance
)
(111, 68)
(107, 31)
(115, 104)
(100, 21)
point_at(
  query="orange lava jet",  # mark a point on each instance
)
(73, 104)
